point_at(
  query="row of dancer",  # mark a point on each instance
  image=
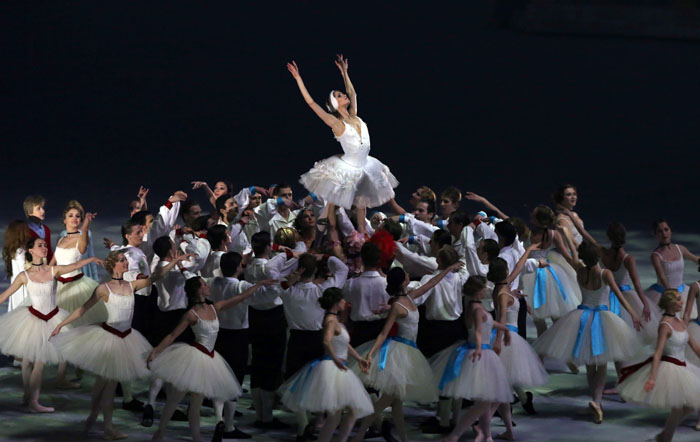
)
(272, 236)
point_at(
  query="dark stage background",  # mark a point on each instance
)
(99, 97)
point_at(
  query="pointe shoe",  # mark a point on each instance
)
(36, 407)
(573, 368)
(528, 406)
(597, 412)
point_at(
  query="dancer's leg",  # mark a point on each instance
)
(107, 407)
(35, 388)
(379, 405)
(174, 398)
(196, 400)
(346, 426)
(332, 421)
(467, 419)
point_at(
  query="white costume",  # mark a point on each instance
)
(353, 178)
(75, 288)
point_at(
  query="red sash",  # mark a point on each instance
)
(202, 348)
(114, 331)
(69, 279)
(43, 317)
(627, 371)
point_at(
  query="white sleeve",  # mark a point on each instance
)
(339, 274)
(415, 264)
(165, 220)
(201, 249)
(418, 227)
(239, 240)
(471, 258)
(242, 198)
(531, 265)
(280, 267)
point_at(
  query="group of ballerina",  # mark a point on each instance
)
(342, 313)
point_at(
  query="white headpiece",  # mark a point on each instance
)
(334, 102)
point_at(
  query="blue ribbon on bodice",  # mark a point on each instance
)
(305, 376)
(541, 285)
(659, 288)
(385, 349)
(597, 335)
(697, 320)
(614, 302)
(454, 364)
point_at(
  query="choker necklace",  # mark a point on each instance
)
(669, 314)
(72, 233)
(332, 313)
(37, 265)
(117, 279)
(198, 303)
(475, 302)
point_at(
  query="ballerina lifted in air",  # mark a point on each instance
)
(353, 178)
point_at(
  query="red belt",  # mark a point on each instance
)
(626, 371)
(202, 348)
(114, 331)
(69, 279)
(44, 317)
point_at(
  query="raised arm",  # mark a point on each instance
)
(422, 290)
(486, 203)
(99, 293)
(576, 221)
(342, 64)
(631, 264)
(390, 319)
(207, 190)
(16, 284)
(520, 265)
(331, 121)
(395, 207)
(61, 270)
(692, 296)
(187, 319)
(245, 294)
(610, 280)
(159, 273)
(689, 256)
(143, 192)
(85, 232)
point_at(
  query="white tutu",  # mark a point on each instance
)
(94, 349)
(189, 369)
(484, 379)
(567, 274)
(343, 184)
(25, 336)
(558, 342)
(675, 386)
(323, 387)
(693, 332)
(71, 295)
(650, 329)
(555, 305)
(407, 374)
(523, 367)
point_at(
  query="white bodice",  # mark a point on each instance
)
(599, 296)
(340, 343)
(355, 146)
(512, 312)
(206, 330)
(673, 270)
(42, 294)
(67, 256)
(621, 275)
(408, 326)
(486, 327)
(542, 253)
(676, 343)
(120, 309)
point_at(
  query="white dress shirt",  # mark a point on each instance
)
(444, 301)
(414, 264)
(367, 292)
(222, 288)
(171, 288)
(276, 268)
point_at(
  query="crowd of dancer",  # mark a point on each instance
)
(337, 314)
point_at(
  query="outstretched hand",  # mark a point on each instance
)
(293, 69)
(474, 197)
(342, 63)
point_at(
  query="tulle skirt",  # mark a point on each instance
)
(482, 380)
(407, 374)
(340, 183)
(71, 295)
(523, 367)
(557, 304)
(675, 386)
(25, 336)
(189, 369)
(320, 386)
(567, 273)
(650, 329)
(558, 342)
(105, 354)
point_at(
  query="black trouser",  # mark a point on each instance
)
(232, 345)
(363, 331)
(522, 318)
(303, 346)
(434, 335)
(268, 337)
(145, 311)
